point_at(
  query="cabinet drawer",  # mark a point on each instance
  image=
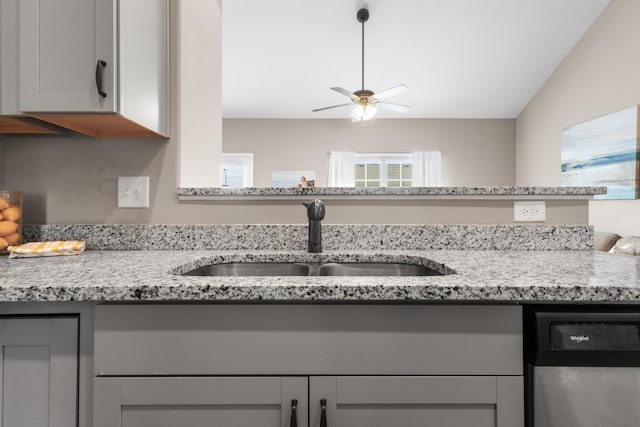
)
(271, 339)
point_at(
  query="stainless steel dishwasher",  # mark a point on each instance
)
(582, 366)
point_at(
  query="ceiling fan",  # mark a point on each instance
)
(367, 101)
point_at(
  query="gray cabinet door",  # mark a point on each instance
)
(9, 72)
(61, 42)
(38, 372)
(417, 401)
(199, 401)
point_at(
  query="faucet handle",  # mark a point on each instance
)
(315, 210)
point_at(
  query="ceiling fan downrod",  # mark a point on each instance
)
(367, 101)
(362, 16)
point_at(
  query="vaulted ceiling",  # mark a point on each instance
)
(460, 58)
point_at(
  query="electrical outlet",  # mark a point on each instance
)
(529, 211)
(133, 191)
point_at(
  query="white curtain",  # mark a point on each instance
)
(342, 169)
(427, 169)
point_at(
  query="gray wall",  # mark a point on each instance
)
(599, 76)
(72, 179)
(475, 152)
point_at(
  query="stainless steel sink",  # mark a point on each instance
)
(375, 269)
(252, 269)
(313, 269)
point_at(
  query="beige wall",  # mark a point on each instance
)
(475, 152)
(598, 77)
(197, 85)
(72, 179)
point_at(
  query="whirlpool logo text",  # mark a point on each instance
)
(579, 338)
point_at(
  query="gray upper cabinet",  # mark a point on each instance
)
(61, 42)
(96, 56)
(11, 119)
(9, 57)
(39, 372)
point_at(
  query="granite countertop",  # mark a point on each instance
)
(150, 275)
(487, 192)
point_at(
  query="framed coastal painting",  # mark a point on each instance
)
(603, 152)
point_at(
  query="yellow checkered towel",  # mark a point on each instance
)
(35, 249)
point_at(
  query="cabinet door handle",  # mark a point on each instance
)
(294, 415)
(323, 413)
(99, 73)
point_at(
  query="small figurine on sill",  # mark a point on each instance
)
(304, 183)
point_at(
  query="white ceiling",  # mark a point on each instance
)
(460, 58)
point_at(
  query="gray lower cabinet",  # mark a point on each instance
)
(340, 401)
(200, 402)
(39, 372)
(416, 401)
(350, 365)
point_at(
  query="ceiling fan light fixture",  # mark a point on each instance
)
(365, 100)
(363, 112)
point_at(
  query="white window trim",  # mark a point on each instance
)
(239, 159)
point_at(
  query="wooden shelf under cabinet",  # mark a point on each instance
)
(98, 125)
(25, 125)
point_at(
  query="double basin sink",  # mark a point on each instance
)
(313, 269)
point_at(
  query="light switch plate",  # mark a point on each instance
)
(133, 191)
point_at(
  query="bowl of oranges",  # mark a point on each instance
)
(10, 219)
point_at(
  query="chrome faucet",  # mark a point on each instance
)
(315, 213)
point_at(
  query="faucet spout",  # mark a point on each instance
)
(315, 213)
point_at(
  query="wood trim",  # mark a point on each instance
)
(99, 125)
(24, 125)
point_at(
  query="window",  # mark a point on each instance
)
(383, 169)
(398, 169)
(236, 170)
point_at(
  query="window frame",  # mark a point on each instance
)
(383, 159)
(245, 160)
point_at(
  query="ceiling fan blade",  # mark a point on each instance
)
(396, 90)
(343, 91)
(393, 107)
(333, 106)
